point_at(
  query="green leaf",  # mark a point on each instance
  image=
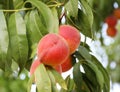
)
(84, 20)
(89, 68)
(59, 79)
(8, 63)
(56, 21)
(84, 52)
(34, 26)
(42, 79)
(81, 23)
(77, 76)
(90, 87)
(70, 83)
(89, 79)
(45, 13)
(32, 78)
(18, 39)
(31, 36)
(18, 4)
(72, 8)
(87, 11)
(4, 41)
(85, 87)
(53, 81)
(105, 74)
(40, 23)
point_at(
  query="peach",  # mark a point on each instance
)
(111, 21)
(34, 65)
(117, 13)
(52, 49)
(111, 31)
(67, 65)
(71, 35)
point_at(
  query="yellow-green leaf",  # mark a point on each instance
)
(42, 79)
(59, 79)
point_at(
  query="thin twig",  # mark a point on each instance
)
(16, 10)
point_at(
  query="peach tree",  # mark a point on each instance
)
(23, 23)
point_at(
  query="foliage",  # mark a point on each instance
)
(14, 83)
(24, 22)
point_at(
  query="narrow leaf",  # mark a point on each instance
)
(59, 79)
(72, 8)
(34, 29)
(56, 20)
(31, 36)
(32, 78)
(87, 10)
(89, 79)
(45, 12)
(4, 41)
(77, 76)
(53, 81)
(98, 74)
(105, 74)
(18, 39)
(42, 79)
(90, 86)
(18, 4)
(84, 53)
(40, 23)
(70, 83)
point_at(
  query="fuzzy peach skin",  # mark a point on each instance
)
(67, 65)
(52, 49)
(34, 65)
(71, 35)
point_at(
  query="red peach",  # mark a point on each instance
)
(111, 21)
(52, 49)
(71, 35)
(116, 13)
(111, 31)
(67, 65)
(34, 65)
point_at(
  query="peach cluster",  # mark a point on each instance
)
(55, 50)
(111, 22)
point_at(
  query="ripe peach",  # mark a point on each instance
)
(111, 21)
(34, 65)
(116, 13)
(67, 65)
(52, 49)
(71, 35)
(111, 31)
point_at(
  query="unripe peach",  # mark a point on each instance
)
(111, 31)
(111, 21)
(67, 65)
(52, 49)
(117, 13)
(34, 65)
(71, 35)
